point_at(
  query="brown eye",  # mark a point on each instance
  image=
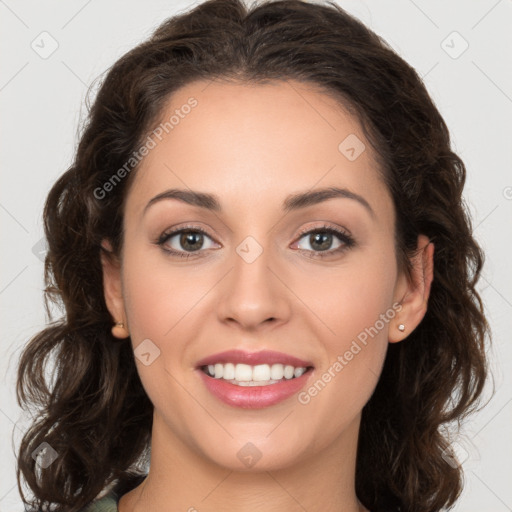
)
(184, 242)
(321, 240)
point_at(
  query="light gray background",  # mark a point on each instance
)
(42, 103)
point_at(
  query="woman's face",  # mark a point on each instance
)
(254, 281)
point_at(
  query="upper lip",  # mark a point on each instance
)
(254, 358)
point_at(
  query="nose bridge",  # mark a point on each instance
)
(252, 293)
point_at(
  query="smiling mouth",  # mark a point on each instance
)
(254, 375)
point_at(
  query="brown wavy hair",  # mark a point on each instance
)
(94, 412)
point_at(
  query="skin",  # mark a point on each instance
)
(253, 146)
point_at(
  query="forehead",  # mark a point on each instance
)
(242, 142)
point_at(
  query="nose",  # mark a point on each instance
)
(252, 295)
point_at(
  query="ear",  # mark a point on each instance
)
(413, 293)
(112, 288)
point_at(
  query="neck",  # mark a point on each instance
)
(181, 478)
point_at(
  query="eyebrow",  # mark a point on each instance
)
(291, 203)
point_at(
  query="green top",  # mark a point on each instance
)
(106, 504)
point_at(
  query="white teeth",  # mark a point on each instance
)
(288, 372)
(299, 371)
(243, 372)
(229, 371)
(258, 375)
(277, 371)
(219, 371)
(261, 372)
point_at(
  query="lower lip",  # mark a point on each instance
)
(254, 397)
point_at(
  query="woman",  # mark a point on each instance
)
(269, 279)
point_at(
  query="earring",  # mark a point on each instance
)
(119, 330)
(401, 327)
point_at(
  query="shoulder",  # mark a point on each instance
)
(106, 504)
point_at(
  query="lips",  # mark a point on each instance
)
(256, 397)
(254, 358)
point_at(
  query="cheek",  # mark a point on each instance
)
(162, 305)
(349, 299)
(351, 309)
(166, 304)
(159, 297)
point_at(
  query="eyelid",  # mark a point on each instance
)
(179, 228)
(342, 234)
(176, 230)
(325, 226)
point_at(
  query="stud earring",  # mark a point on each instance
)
(401, 327)
(119, 330)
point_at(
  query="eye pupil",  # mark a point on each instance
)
(326, 236)
(187, 239)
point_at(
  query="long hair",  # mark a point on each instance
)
(93, 411)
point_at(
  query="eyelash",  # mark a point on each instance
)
(343, 236)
